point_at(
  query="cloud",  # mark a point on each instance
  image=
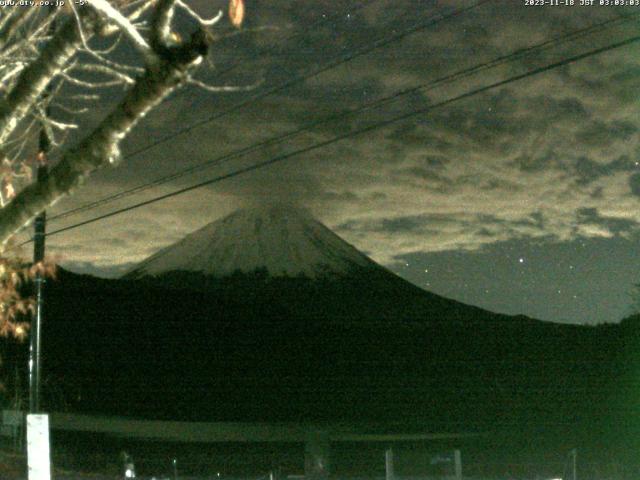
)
(553, 156)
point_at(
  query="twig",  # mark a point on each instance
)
(101, 146)
(105, 70)
(224, 88)
(161, 25)
(198, 18)
(33, 80)
(127, 28)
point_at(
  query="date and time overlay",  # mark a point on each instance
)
(526, 3)
(581, 3)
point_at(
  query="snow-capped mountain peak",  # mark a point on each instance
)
(284, 240)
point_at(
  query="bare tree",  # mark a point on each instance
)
(58, 57)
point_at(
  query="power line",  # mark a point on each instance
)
(432, 20)
(360, 131)
(324, 19)
(337, 116)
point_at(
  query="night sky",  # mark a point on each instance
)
(523, 199)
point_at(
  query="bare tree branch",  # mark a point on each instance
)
(14, 70)
(105, 70)
(27, 41)
(98, 55)
(161, 24)
(136, 14)
(42, 66)
(12, 22)
(34, 79)
(93, 84)
(101, 147)
(125, 25)
(202, 21)
(224, 88)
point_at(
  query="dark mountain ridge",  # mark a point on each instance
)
(332, 337)
(254, 347)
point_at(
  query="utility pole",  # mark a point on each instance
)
(38, 444)
(574, 456)
(37, 423)
(44, 146)
(35, 356)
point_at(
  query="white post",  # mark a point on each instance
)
(574, 454)
(316, 455)
(388, 461)
(38, 456)
(457, 457)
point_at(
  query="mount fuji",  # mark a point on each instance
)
(282, 256)
(281, 240)
(268, 315)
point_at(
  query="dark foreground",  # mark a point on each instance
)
(98, 457)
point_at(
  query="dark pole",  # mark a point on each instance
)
(35, 357)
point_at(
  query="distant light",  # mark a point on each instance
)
(426, 270)
(129, 473)
(521, 260)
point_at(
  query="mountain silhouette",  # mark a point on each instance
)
(266, 315)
